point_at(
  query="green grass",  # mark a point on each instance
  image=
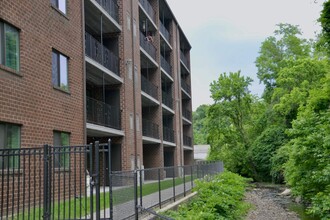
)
(81, 205)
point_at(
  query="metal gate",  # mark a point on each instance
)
(92, 197)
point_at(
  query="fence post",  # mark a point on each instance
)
(191, 176)
(159, 190)
(174, 183)
(136, 196)
(97, 180)
(47, 183)
(91, 185)
(141, 188)
(184, 182)
(110, 178)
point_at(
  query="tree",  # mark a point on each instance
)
(199, 125)
(286, 44)
(227, 120)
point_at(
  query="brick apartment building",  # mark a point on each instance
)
(73, 72)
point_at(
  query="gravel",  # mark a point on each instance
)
(266, 206)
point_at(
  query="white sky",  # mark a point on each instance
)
(226, 35)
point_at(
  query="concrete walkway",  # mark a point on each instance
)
(127, 210)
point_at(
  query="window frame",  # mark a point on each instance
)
(59, 68)
(57, 4)
(61, 162)
(14, 161)
(3, 46)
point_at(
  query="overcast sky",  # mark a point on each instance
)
(226, 35)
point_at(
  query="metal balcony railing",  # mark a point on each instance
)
(164, 31)
(186, 113)
(148, 87)
(184, 60)
(96, 51)
(185, 86)
(111, 7)
(102, 114)
(165, 65)
(148, 46)
(187, 141)
(150, 129)
(148, 8)
(167, 99)
(168, 134)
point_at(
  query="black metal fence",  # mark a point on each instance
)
(165, 65)
(148, 8)
(111, 7)
(167, 99)
(168, 134)
(103, 114)
(150, 129)
(98, 52)
(164, 31)
(76, 182)
(148, 46)
(148, 87)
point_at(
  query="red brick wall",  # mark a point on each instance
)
(28, 97)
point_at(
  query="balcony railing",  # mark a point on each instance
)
(148, 8)
(111, 7)
(165, 65)
(185, 86)
(150, 129)
(187, 114)
(167, 100)
(184, 60)
(148, 87)
(147, 46)
(102, 114)
(187, 141)
(168, 134)
(164, 31)
(96, 51)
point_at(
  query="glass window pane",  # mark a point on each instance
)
(55, 80)
(64, 72)
(11, 47)
(62, 6)
(65, 138)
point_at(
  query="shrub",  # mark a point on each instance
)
(219, 198)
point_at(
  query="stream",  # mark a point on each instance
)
(273, 191)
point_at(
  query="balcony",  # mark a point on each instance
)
(99, 53)
(164, 32)
(184, 60)
(148, 8)
(167, 100)
(111, 7)
(187, 141)
(103, 114)
(168, 134)
(150, 129)
(149, 88)
(185, 86)
(148, 46)
(166, 66)
(187, 114)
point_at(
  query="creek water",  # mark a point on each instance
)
(288, 203)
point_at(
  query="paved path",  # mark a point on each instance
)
(125, 210)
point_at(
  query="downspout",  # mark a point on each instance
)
(134, 87)
(84, 74)
(179, 101)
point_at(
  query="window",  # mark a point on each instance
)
(9, 46)
(60, 71)
(10, 141)
(60, 5)
(61, 150)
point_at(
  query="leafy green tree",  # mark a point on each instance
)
(286, 44)
(199, 125)
(227, 121)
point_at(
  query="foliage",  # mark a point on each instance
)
(276, 50)
(262, 151)
(218, 198)
(199, 125)
(228, 119)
